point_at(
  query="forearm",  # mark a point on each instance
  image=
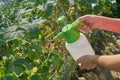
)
(109, 24)
(111, 62)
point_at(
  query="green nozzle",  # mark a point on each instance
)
(59, 35)
(69, 31)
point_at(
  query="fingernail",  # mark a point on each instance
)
(79, 64)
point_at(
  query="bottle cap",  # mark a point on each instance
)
(69, 31)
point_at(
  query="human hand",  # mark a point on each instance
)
(87, 62)
(90, 22)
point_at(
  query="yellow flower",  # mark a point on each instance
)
(41, 31)
(35, 69)
(108, 8)
(42, 25)
(84, 8)
(99, 14)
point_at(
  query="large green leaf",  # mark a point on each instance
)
(90, 2)
(48, 8)
(57, 61)
(34, 50)
(36, 77)
(23, 76)
(11, 76)
(14, 67)
(33, 28)
(12, 33)
(42, 2)
(24, 62)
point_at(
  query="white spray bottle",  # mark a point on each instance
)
(76, 42)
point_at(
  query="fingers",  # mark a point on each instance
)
(81, 59)
(83, 18)
(89, 22)
(86, 63)
(88, 66)
(84, 28)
